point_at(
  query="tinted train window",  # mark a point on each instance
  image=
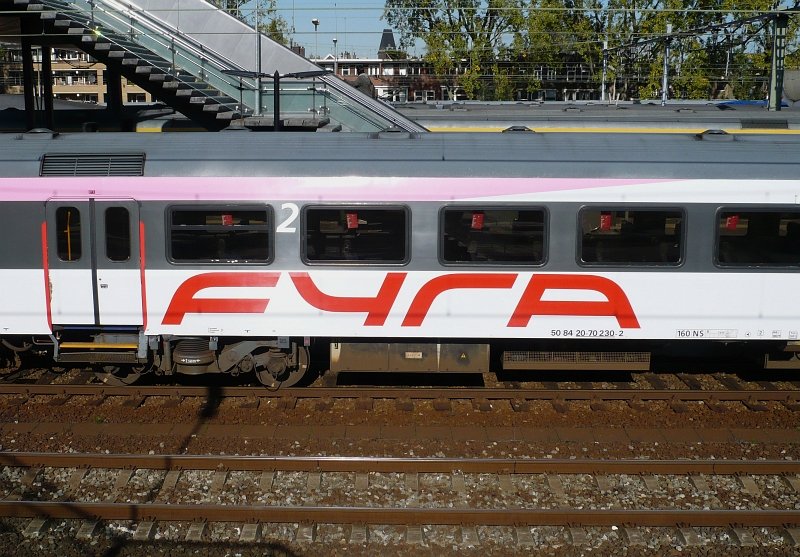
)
(513, 236)
(68, 233)
(220, 234)
(630, 237)
(747, 237)
(118, 234)
(354, 234)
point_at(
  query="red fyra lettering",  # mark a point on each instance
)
(183, 301)
(532, 304)
(431, 289)
(379, 307)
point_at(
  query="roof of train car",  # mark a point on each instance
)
(520, 154)
(676, 116)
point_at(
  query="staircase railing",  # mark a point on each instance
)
(181, 51)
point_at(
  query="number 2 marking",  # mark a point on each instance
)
(294, 211)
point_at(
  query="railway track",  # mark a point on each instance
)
(517, 396)
(74, 493)
(643, 492)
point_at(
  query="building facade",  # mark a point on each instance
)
(76, 77)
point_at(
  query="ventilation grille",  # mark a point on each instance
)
(93, 165)
(576, 360)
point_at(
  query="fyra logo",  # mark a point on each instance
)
(377, 308)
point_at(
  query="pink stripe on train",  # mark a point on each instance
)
(340, 188)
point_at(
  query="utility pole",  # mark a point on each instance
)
(779, 24)
(605, 59)
(665, 76)
(257, 108)
(315, 23)
(605, 72)
(335, 57)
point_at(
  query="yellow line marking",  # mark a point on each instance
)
(617, 130)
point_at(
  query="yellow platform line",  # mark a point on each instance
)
(479, 129)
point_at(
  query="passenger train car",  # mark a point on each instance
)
(238, 252)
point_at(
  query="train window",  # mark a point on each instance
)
(118, 234)
(630, 237)
(356, 234)
(764, 238)
(494, 236)
(68, 233)
(220, 234)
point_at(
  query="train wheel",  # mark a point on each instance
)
(119, 376)
(279, 375)
(10, 362)
(11, 356)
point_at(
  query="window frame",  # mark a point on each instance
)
(515, 207)
(269, 227)
(107, 234)
(68, 238)
(632, 208)
(406, 210)
(748, 209)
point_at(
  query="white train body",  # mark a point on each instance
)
(514, 251)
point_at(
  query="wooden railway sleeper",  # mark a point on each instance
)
(755, 405)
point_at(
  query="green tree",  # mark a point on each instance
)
(503, 84)
(462, 37)
(263, 13)
(712, 43)
(556, 32)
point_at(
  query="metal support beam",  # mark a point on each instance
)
(276, 105)
(113, 83)
(605, 72)
(779, 25)
(28, 82)
(46, 79)
(665, 72)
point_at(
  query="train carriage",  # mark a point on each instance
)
(235, 252)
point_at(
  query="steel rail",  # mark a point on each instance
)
(398, 515)
(416, 393)
(389, 464)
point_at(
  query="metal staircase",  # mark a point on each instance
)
(180, 58)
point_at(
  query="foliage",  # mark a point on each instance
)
(503, 86)
(263, 13)
(395, 54)
(496, 47)
(461, 36)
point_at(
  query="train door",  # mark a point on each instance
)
(93, 259)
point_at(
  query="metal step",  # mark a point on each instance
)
(217, 108)
(180, 82)
(163, 77)
(98, 352)
(125, 58)
(209, 100)
(189, 91)
(147, 67)
(57, 4)
(98, 346)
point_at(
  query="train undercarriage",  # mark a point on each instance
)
(122, 357)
